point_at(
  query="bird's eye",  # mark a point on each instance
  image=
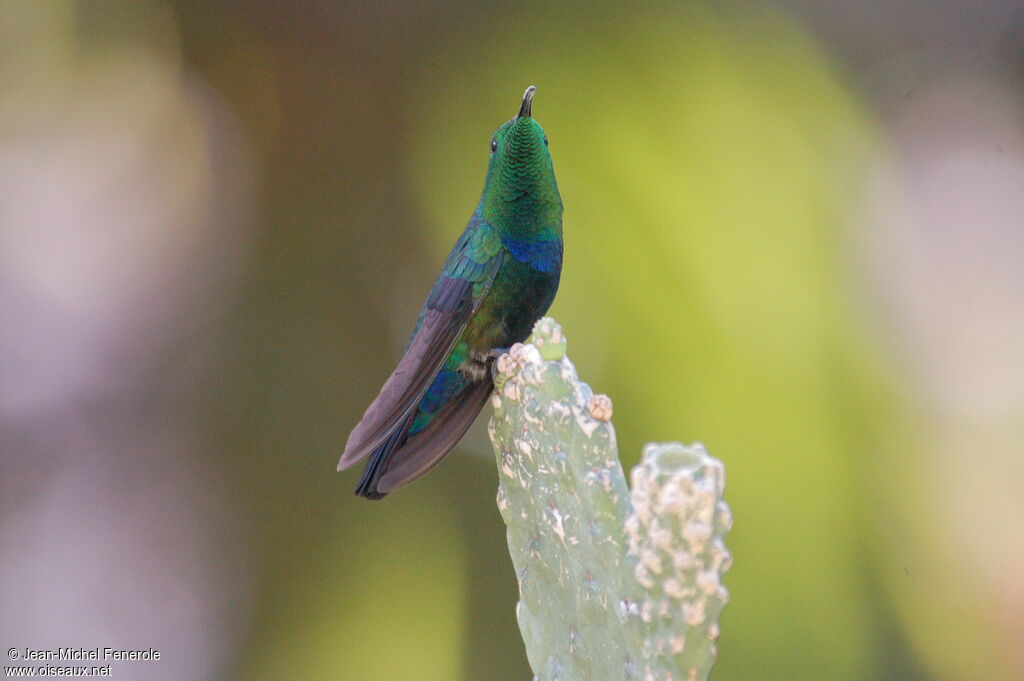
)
(545, 140)
(494, 145)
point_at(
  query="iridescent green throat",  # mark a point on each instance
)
(520, 194)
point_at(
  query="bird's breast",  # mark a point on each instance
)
(520, 294)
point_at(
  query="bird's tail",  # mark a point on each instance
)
(379, 460)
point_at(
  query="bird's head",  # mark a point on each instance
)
(520, 177)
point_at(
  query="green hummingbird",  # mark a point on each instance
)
(500, 277)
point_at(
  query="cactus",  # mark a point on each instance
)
(613, 584)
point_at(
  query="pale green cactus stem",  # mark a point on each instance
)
(612, 585)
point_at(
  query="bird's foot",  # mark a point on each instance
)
(496, 353)
(480, 364)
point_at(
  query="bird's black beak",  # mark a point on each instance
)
(524, 110)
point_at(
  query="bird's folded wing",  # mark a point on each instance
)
(438, 331)
(456, 295)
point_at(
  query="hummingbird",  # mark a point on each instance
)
(498, 280)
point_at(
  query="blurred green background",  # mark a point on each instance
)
(793, 232)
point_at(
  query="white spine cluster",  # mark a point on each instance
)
(676, 535)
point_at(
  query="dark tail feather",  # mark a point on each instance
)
(378, 463)
(425, 449)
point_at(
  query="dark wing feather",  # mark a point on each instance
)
(425, 449)
(467, 276)
(448, 309)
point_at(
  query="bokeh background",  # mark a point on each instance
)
(794, 231)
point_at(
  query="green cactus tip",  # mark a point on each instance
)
(613, 584)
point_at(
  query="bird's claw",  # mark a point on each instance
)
(496, 353)
(492, 358)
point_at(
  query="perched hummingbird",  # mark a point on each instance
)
(500, 277)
